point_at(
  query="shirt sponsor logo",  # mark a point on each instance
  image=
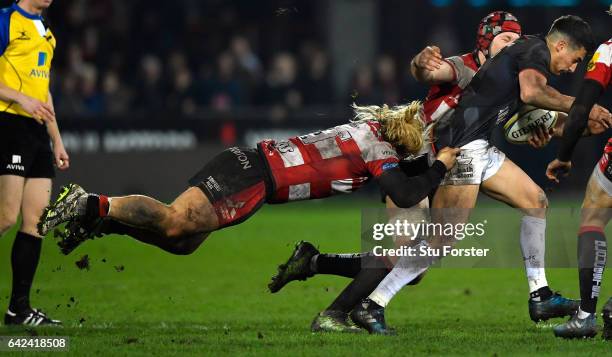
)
(16, 159)
(39, 73)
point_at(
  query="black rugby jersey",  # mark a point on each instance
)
(493, 95)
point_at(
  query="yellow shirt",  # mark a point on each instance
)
(26, 51)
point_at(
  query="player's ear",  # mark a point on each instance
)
(561, 45)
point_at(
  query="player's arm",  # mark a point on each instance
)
(578, 117)
(576, 124)
(407, 191)
(40, 111)
(535, 91)
(430, 68)
(59, 151)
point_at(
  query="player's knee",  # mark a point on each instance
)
(174, 231)
(537, 199)
(542, 199)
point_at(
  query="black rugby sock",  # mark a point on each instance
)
(24, 261)
(364, 283)
(542, 294)
(592, 254)
(347, 265)
(97, 206)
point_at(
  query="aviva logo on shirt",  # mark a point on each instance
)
(42, 61)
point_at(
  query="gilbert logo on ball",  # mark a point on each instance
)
(520, 128)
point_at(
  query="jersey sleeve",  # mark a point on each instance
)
(462, 73)
(598, 68)
(535, 56)
(5, 18)
(380, 157)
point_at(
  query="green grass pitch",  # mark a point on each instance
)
(136, 299)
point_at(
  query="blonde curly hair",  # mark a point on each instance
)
(402, 126)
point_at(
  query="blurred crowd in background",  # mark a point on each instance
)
(118, 57)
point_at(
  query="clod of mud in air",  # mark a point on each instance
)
(83, 263)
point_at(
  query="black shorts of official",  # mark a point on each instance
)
(236, 182)
(25, 147)
(413, 166)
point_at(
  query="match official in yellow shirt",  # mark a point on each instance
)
(30, 145)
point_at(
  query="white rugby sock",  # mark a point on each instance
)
(583, 314)
(405, 270)
(533, 246)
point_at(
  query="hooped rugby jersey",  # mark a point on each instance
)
(26, 51)
(320, 164)
(443, 98)
(599, 66)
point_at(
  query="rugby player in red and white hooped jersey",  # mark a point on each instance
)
(233, 185)
(447, 78)
(597, 205)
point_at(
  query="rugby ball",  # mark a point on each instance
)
(520, 128)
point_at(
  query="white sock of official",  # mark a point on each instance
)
(402, 274)
(533, 246)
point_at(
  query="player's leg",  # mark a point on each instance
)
(184, 246)
(366, 270)
(306, 261)
(527, 196)
(177, 228)
(11, 191)
(451, 204)
(224, 193)
(25, 254)
(190, 213)
(592, 256)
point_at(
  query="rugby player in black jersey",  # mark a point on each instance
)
(518, 75)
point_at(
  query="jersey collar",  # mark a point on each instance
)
(25, 13)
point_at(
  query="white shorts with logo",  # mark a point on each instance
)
(477, 162)
(602, 180)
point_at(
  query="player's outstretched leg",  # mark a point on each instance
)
(606, 313)
(166, 226)
(77, 232)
